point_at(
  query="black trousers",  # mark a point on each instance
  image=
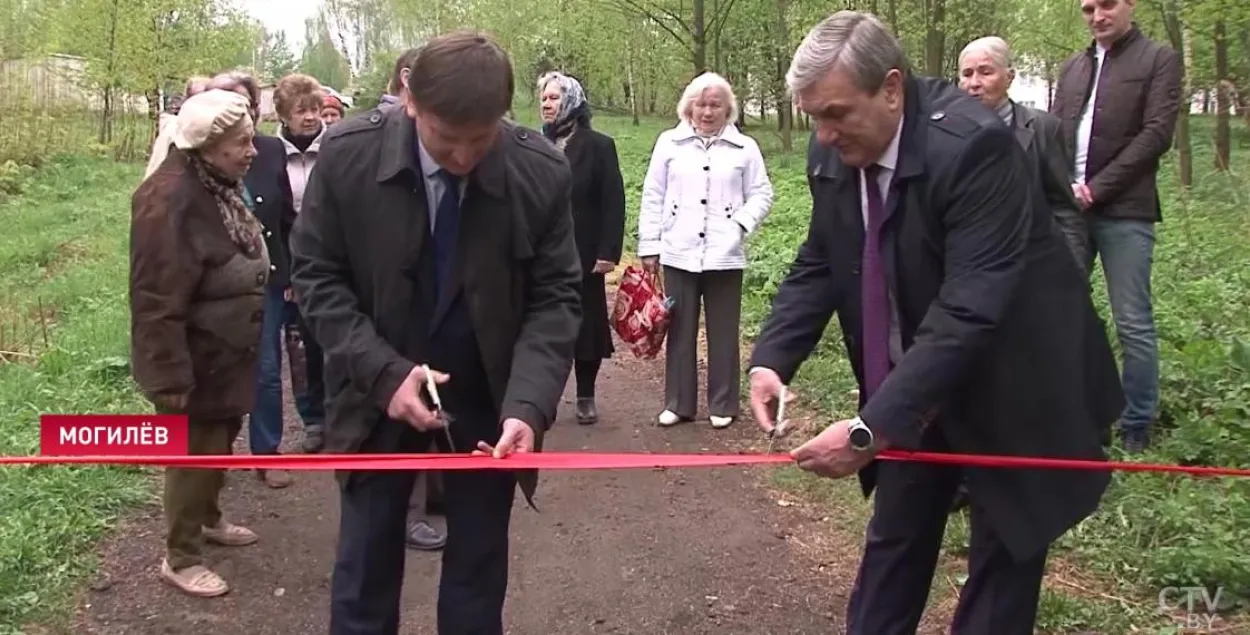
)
(910, 509)
(368, 576)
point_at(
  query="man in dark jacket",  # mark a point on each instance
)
(966, 320)
(438, 237)
(1118, 101)
(986, 72)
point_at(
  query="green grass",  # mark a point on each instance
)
(63, 248)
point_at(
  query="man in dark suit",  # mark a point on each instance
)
(437, 234)
(966, 321)
(986, 71)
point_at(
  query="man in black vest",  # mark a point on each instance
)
(437, 235)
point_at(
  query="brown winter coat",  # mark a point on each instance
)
(195, 298)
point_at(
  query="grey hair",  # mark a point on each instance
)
(696, 87)
(995, 47)
(854, 40)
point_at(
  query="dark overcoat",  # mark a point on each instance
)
(599, 225)
(1004, 350)
(274, 205)
(1041, 136)
(363, 228)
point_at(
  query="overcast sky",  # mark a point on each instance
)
(284, 15)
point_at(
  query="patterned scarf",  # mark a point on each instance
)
(573, 109)
(240, 223)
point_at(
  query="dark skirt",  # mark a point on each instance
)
(595, 339)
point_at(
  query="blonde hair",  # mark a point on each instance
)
(695, 89)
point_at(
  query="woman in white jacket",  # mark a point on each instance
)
(706, 190)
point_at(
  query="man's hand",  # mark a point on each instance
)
(1083, 195)
(407, 405)
(172, 402)
(830, 453)
(651, 263)
(517, 436)
(765, 390)
(603, 266)
(288, 294)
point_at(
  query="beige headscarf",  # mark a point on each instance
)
(202, 120)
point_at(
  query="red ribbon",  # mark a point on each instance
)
(583, 461)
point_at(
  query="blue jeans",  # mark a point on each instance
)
(1126, 248)
(264, 428)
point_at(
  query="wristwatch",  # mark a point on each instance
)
(860, 435)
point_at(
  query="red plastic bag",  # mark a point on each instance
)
(641, 312)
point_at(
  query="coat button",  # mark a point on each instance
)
(706, 168)
(938, 116)
(700, 234)
(268, 234)
(260, 278)
(260, 199)
(273, 267)
(376, 117)
(703, 201)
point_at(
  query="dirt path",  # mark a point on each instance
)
(624, 552)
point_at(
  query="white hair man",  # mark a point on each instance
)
(986, 72)
(967, 326)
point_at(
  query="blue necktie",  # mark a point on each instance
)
(446, 227)
(875, 291)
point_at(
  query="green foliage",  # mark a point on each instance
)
(62, 257)
(321, 59)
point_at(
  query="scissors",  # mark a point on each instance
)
(779, 429)
(432, 388)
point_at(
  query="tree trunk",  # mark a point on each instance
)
(1223, 99)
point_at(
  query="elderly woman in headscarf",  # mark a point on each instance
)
(598, 217)
(706, 190)
(198, 270)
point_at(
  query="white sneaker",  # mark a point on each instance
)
(721, 422)
(668, 418)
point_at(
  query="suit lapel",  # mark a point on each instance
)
(402, 192)
(904, 186)
(1023, 127)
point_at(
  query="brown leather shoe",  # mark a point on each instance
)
(277, 479)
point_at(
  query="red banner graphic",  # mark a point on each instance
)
(583, 461)
(113, 435)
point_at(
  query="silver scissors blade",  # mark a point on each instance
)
(779, 428)
(432, 388)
